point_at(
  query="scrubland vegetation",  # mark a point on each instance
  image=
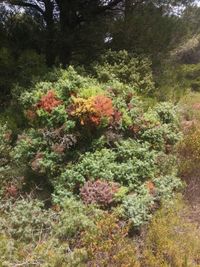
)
(100, 147)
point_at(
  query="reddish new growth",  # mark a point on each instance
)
(35, 164)
(49, 101)
(103, 106)
(8, 136)
(103, 109)
(99, 192)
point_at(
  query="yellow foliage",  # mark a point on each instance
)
(82, 106)
(172, 241)
(189, 152)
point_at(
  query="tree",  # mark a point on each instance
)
(69, 19)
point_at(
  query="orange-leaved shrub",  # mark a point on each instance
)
(92, 110)
(49, 101)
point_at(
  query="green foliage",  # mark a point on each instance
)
(7, 68)
(26, 220)
(123, 67)
(137, 207)
(81, 131)
(167, 186)
(74, 218)
(30, 67)
(49, 252)
(130, 163)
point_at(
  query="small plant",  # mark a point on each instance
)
(26, 220)
(99, 192)
(75, 217)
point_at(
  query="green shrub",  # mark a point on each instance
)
(135, 71)
(25, 220)
(81, 130)
(137, 207)
(129, 164)
(75, 217)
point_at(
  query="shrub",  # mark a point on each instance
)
(49, 101)
(107, 244)
(137, 207)
(26, 220)
(75, 217)
(47, 252)
(98, 192)
(73, 137)
(171, 240)
(167, 186)
(92, 110)
(130, 164)
(122, 66)
(9, 174)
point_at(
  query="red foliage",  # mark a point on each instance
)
(49, 101)
(103, 106)
(99, 192)
(95, 119)
(103, 109)
(135, 129)
(117, 116)
(58, 148)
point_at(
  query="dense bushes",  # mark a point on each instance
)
(81, 131)
(99, 156)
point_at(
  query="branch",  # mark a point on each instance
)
(25, 4)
